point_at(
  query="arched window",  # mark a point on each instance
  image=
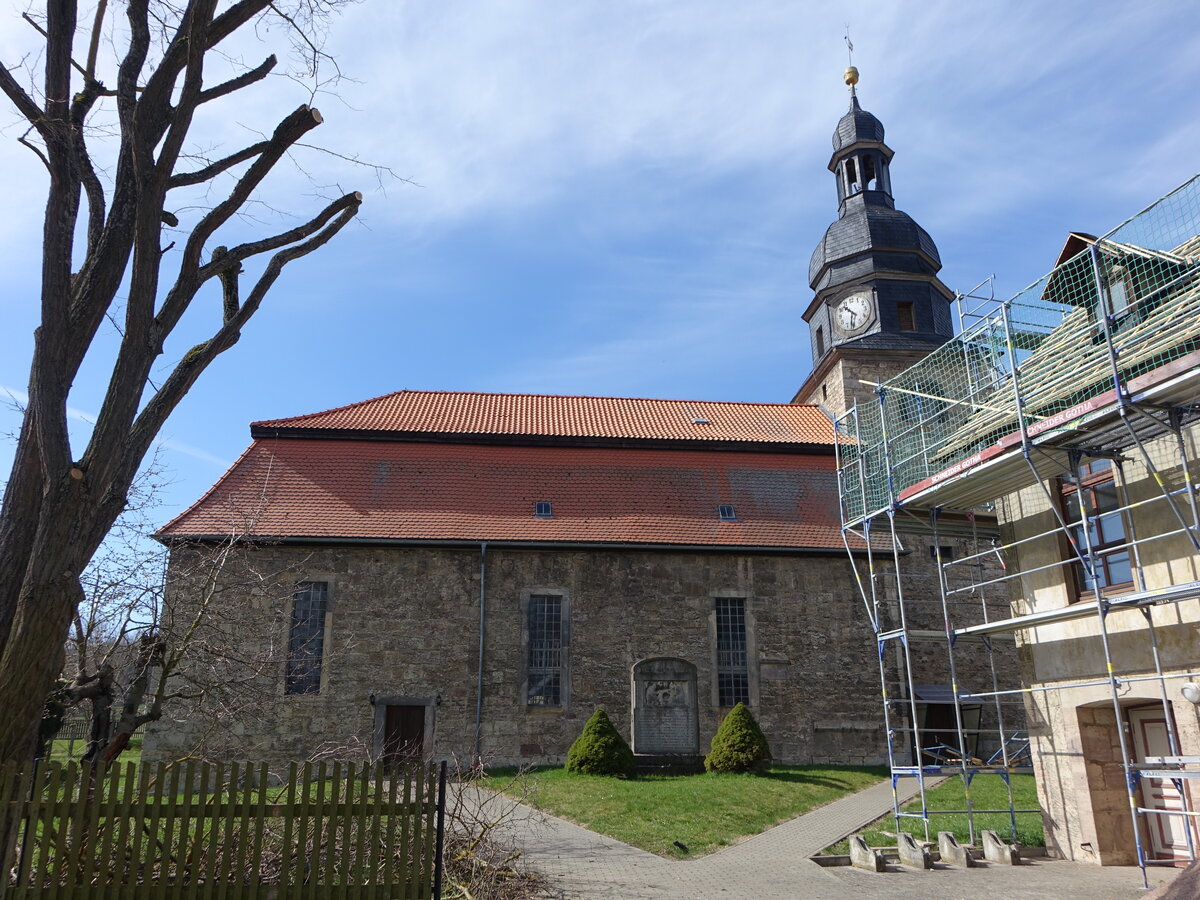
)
(868, 172)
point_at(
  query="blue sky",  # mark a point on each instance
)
(621, 198)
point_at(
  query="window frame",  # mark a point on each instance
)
(529, 671)
(290, 659)
(723, 669)
(1094, 477)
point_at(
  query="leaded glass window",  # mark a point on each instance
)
(545, 663)
(733, 681)
(306, 639)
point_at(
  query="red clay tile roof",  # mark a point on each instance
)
(455, 413)
(413, 491)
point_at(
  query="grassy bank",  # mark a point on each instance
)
(987, 792)
(702, 812)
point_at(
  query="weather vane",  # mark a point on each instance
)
(851, 75)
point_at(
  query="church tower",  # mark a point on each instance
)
(878, 305)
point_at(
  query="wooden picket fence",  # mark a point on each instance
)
(221, 831)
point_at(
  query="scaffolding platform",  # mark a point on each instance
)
(1096, 425)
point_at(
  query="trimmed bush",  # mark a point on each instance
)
(739, 745)
(600, 750)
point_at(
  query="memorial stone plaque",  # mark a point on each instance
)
(664, 707)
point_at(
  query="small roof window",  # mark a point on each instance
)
(700, 420)
(542, 509)
(725, 513)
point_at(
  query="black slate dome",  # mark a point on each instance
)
(866, 229)
(857, 125)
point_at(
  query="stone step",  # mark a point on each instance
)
(668, 764)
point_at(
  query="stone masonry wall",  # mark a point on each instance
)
(404, 623)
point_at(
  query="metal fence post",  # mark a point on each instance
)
(441, 832)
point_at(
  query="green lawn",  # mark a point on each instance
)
(67, 751)
(987, 792)
(702, 812)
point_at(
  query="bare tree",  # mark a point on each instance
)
(193, 632)
(202, 644)
(59, 503)
(115, 646)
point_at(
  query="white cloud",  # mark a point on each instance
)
(499, 105)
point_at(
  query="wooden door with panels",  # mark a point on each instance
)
(403, 733)
(1168, 838)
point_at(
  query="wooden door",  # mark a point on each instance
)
(404, 733)
(1168, 834)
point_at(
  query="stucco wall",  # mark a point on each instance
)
(1074, 729)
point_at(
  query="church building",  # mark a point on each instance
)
(470, 575)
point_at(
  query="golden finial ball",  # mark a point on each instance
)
(851, 76)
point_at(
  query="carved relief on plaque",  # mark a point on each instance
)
(665, 693)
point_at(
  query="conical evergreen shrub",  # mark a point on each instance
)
(600, 749)
(739, 745)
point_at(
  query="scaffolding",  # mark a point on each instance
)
(1094, 367)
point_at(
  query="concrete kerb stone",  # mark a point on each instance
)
(999, 851)
(911, 853)
(952, 852)
(863, 857)
(581, 865)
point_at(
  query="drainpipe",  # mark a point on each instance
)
(482, 633)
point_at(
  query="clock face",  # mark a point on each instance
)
(853, 313)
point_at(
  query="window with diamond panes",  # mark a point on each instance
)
(306, 639)
(733, 681)
(545, 663)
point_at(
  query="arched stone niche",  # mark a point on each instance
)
(665, 719)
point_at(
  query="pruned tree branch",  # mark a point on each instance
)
(299, 233)
(164, 401)
(214, 169)
(21, 100)
(244, 80)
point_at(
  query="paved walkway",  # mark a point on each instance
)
(775, 865)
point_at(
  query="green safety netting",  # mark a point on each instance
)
(1117, 311)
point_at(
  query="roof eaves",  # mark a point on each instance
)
(260, 431)
(774, 549)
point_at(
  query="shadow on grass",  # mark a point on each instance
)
(801, 775)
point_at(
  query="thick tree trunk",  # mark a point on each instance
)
(59, 504)
(32, 661)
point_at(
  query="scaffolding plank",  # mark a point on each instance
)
(1189, 590)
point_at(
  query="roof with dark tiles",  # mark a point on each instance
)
(865, 228)
(855, 126)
